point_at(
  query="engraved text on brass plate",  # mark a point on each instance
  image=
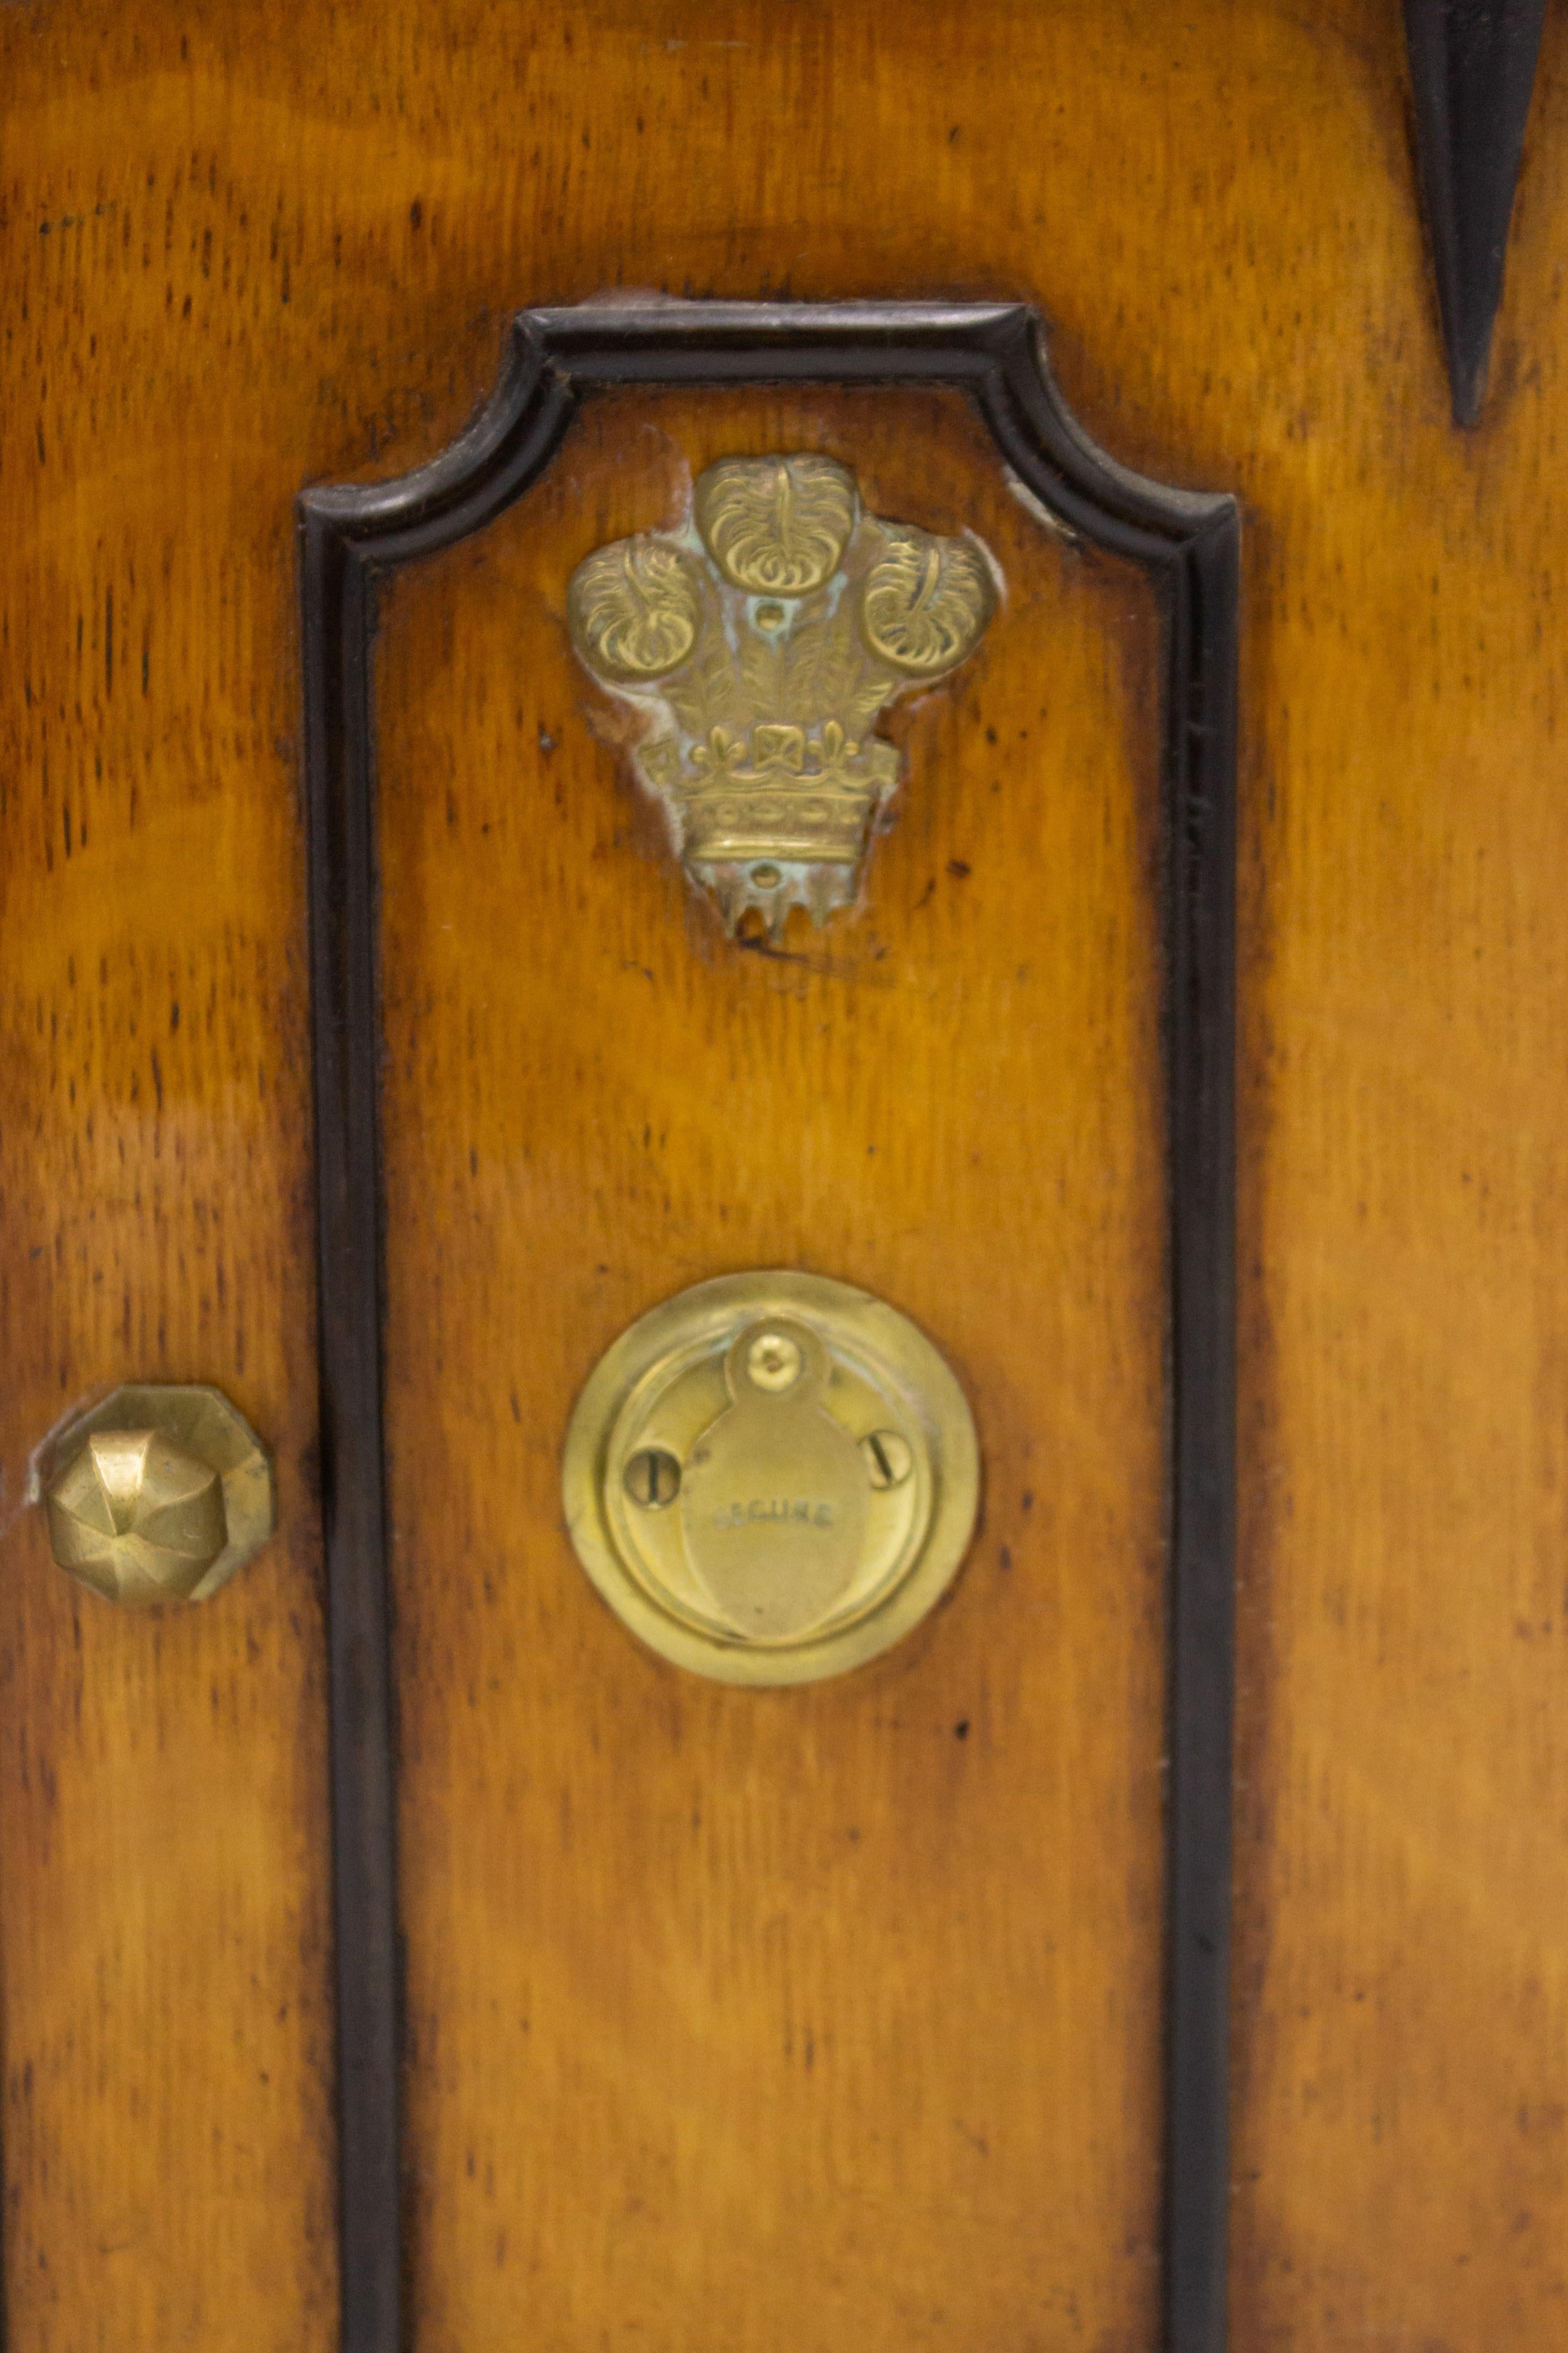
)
(763, 640)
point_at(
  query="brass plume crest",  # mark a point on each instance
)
(763, 640)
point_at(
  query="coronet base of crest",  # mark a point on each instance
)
(829, 828)
(773, 837)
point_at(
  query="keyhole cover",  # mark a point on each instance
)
(770, 1477)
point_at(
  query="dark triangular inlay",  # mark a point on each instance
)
(1472, 64)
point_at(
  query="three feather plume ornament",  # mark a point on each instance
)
(763, 640)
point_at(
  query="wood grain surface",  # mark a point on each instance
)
(711, 1991)
(244, 250)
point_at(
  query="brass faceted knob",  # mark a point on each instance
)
(158, 1494)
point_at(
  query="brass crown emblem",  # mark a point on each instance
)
(763, 640)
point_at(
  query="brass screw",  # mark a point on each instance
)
(652, 1478)
(766, 877)
(889, 1459)
(772, 1361)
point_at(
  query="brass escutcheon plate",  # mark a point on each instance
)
(770, 1477)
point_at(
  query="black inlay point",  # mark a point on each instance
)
(1472, 67)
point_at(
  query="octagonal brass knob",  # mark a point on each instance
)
(157, 1495)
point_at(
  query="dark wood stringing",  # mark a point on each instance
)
(1189, 543)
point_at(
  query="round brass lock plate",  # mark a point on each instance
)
(770, 1477)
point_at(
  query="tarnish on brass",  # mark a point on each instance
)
(772, 1477)
(159, 1494)
(761, 641)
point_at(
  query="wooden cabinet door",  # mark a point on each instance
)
(1159, 1943)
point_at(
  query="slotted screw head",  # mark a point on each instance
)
(888, 1457)
(652, 1478)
